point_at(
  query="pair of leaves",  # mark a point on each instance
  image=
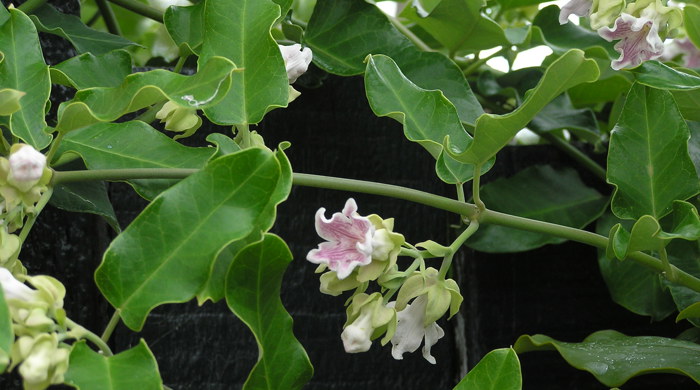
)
(135, 368)
(648, 161)
(206, 88)
(343, 33)
(613, 358)
(498, 370)
(22, 68)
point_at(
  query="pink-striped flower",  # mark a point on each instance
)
(639, 40)
(348, 238)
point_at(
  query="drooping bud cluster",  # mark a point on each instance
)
(38, 324)
(640, 27)
(359, 250)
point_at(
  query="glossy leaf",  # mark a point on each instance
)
(207, 87)
(214, 289)
(186, 25)
(227, 200)
(692, 311)
(88, 70)
(342, 33)
(253, 287)
(648, 160)
(135, 368)
(562, 37)
(694, 144)
(427, 116)
(498, 370)
(22, 68)
(224, 144)
(133, 145)
(493, 132)
(685, 222)
(85, 197)
(541, 193)
(82, 37)
(632, 285)
(240, 31)
(643, 237)
(688, 103)
(691, 23)
(613, 358)
(459, 26)
(657, 75)
(686, 256)
(561, 114)
(7, 336)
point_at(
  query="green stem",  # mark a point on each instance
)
(32, 217)
(456, 244)
(140, 8)
(54, 147)
(409, 34)
(460, 192)
(109, 17)
(415, 253)
(80, 332)
(480, 61)
(575, 154)
(180, 63)
(476, 188)
(113, 322)
(30, 5)
(436, 201)
(149, 115)
(669, 273)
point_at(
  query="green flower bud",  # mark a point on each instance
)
(179, 119)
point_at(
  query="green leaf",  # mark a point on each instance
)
(135, 368)
(7, 336)
(10, 100)
(186, 26)
(685, 222)
(692, 311)
(459, 26)
(82, 37)
(613, 358)
(207, 87)
(22, 68)
(133, 145)
(694, 144)
(427, 116)
(562, 37)
(214, 289)
(88, 70)
(643, 237)
(498, 370)
(342, 33)
(686, 256)
(166, 254)
(493, 132)
(240, 31)
(648, 160)
(632, 285)
(541, 193)
(561, 114)
(657, 75)
(688, 103)
(691, 23)
(224, 144)
(253, 293)
(85, 197)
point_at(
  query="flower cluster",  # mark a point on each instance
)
(38, 324)
(639, 26)
(361, 249)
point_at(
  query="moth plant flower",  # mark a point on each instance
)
(13, 289)
(354, 241)
(42, 361)
(24, 176)
(432, 297)
(368, 318)
(179, 119)
(601, 12)
(296, 60)
(683, 48)
(639, 30)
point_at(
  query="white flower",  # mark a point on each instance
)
(410, 331)
(27, 164)
(356, 336)
(296, 60)
(575, 7)
(14, 289)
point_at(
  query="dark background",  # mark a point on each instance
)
(555, 290)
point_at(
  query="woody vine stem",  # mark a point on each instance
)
(468, 210)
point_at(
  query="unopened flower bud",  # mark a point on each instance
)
(356, 336)
(27, 164)
(296, 60)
